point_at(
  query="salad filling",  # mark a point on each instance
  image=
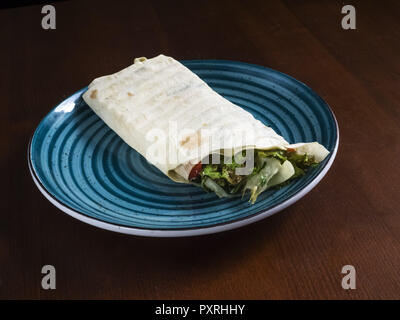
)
(272, 168)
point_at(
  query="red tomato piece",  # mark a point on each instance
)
(195, 171)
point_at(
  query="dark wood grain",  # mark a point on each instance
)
(351, 217)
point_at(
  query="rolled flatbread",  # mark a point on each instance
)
(175, 120)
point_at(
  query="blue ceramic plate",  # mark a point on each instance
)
(87, 171)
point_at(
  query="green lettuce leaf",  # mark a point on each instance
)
(272, 168)
(258, 182)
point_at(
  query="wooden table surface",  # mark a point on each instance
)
(351, 218)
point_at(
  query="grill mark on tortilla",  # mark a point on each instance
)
(93, 94)
(191, 141)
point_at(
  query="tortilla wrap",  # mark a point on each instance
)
(174, 119)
